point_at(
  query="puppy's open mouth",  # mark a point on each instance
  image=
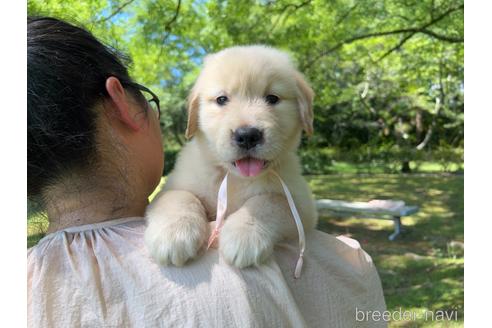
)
(250, 166)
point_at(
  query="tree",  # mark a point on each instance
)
(378, 67)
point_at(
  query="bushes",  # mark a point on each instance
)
(381, 160)
(364, 160)
(170, 156)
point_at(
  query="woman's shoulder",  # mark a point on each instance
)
(109, 277)
(75, 240)
(340, 249)
(338, 279)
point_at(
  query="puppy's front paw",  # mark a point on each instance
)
(243, 243)
(177, 241)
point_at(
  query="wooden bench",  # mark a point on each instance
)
(380, 209)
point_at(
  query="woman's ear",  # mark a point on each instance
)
(121, 104)
(193, 106)
(305, 97)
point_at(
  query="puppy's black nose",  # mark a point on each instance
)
(247, 137)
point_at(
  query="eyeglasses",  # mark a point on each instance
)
(153, 102)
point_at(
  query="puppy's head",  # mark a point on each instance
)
(250, 104)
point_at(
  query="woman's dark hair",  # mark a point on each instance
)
(67, 68)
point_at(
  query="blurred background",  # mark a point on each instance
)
(389, 112)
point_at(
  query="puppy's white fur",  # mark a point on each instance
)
(258, 215)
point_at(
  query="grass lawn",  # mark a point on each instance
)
(422, 271)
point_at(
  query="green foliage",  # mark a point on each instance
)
(170, 156)
(384, 159)
(377, 67)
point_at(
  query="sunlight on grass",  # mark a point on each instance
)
(423, 271)
(37, 224)
(159, 187)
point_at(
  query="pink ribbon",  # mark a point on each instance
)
(221, 211)
(222, 208)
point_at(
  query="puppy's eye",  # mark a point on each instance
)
(221, 101)
(272, 99)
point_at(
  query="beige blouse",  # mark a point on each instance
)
(101, 275)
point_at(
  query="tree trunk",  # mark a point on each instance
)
(405, 167)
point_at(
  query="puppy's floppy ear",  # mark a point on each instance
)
(194, 103)
(193, 106)
(305, 97)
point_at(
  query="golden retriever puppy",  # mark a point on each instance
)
(246, 114)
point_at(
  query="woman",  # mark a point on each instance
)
(94, 157)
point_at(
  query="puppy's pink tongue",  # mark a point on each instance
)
(250, 167)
